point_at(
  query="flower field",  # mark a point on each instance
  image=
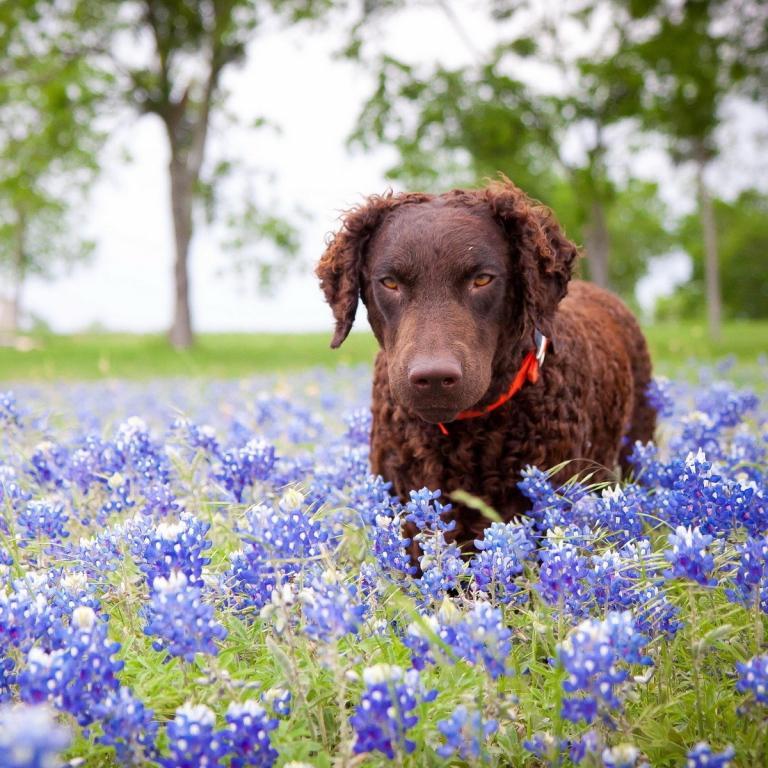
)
(203, 573)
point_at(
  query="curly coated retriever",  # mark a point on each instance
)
(486, 365)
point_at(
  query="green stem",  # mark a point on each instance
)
(696, 653)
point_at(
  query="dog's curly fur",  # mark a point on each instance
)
(588, 406)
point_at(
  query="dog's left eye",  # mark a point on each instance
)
(482, 280)
(389, 282)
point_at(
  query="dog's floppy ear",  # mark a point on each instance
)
(341, 265)
(544, 256)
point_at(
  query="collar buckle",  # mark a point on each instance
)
(542, 342)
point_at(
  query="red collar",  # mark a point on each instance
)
(528, 371)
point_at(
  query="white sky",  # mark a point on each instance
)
(292, 79)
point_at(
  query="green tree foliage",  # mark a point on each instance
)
(743, 225)
(458, 126)
(48, 144)
(165, 58)
(179, 80)
(694, 56)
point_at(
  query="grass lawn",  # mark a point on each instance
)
(91, 356)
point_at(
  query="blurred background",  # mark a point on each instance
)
(169, 169)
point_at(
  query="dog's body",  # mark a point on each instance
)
(458, 288)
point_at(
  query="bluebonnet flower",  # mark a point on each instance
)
(661, 396)
(247, 735)
(277, 544)
(442, 565)
(30, 737)
(547, 748)
(128, 727)
(591, 656)
(502, 553)
(42, 518)
(389, 546)
(359, 426)
(563, 572)
(197, 437)
(555, 508)
(47, 464)
(690, 556)
(278, 700)
(10, 490)
(118, 499)
(160, 501)
(655, 614)
(481, 637)
(621, 756)
(241, 467)
(384, 716)
(7, 678)
(702, 756)
(137, 452)
(79, 673)
(172, 546)
(372, 497)
(9, 413)
(193, 739)
(465, 734)
(331, 608)
(427, 513)
(753, 676)
(621, 511)
(751, 574)
(588, 744)
(181, 622)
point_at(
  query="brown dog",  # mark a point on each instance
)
(465, 293)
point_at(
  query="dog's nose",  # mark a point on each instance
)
(436, 374)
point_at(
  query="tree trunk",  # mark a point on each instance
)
(711, 265)
(598, 244)
(182, 192)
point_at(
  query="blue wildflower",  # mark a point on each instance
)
(751, 574)
(621, 756)
(181, 622)
(702, 756)
(465, 734)
(427, 513)
(193, 739)
(277, 544)
(172, 546)
(563, 573)
(442, 565)
(128, 727)
(690, 557)
(331, 608)
(359, 426)
(240, 468)
(247, 735)
(547, 748)
(502, 553)
(30, 737)
(592, 655)
(9, 413)
(753, 676)
(46, 518)
(384, 716)
(278, 700)
(389, 546)
(81, 671)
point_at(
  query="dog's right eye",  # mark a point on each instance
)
(389, 283)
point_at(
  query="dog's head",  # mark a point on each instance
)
(454, 285)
